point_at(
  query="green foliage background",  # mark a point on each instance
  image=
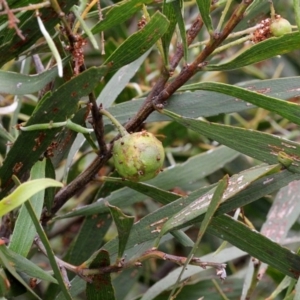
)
(227, 112)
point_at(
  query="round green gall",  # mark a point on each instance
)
(138, 156)
(280, 27)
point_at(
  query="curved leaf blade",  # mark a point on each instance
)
(100, 288)
(24, 265)
(23, 192)
(236, 184)
(204, 7)
(20, 84)
(124, 224)
(288, 110)
(24, 230)
(262, 146)
(5, 262)
(261, 51)
(210, 103)
(256, 245)
(138, 43)
(118, 13)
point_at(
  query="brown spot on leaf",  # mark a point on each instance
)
(39, 140)
(17, 167)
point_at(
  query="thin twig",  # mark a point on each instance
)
(230, 36)
(26, 8)
(152, 253)
(85, 272)
(12, 19)
(59, 261)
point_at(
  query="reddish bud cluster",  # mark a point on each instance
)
(262, 32)
(142, 22)
(77, 53)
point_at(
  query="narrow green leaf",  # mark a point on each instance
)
(169, 12)
(236, 184)
(216, 200)
(124, 224)
(5, 262)
(256, 245)
(261, 51)
(51, 108)
(262, 146)
(288, 110)
(24, 230)
(209, 103)
(23, 192)
(49, 251)
(20, 84)
(26, 266)
(101, 287)
(125, 282)
(138, 43)
(118, 13)
(151, 191)
(183, 238)
(213, 205)
(51, 45)
(204, 7)
(89, 239)
(177, 5)
(78, 285)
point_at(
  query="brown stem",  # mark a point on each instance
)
(191, 35)
(72, 188)
(147, 107)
